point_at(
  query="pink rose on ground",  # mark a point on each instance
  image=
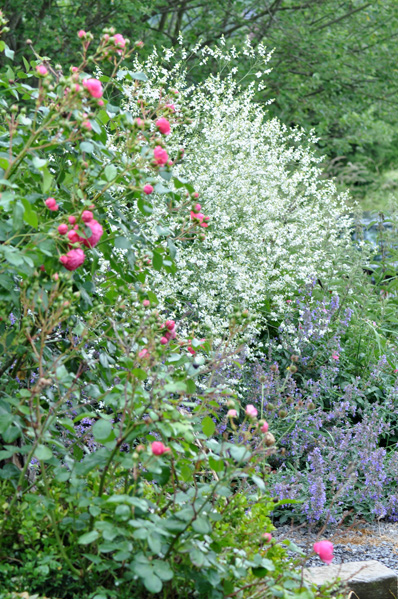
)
(325, 551)
(160, 155)
(41, 69)
(163, 125)
(81, 33)
(94, 87)
(73, 259)
(51, 204)
(87, 216)
(251, 411)
(96, 234)
(148, 189)
(158, 448)
(62, 229)
(264, 428)
(267, 536)
(119, 40)
(232, 413)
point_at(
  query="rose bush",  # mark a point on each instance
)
(113, 480)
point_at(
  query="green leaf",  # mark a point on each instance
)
(9, 53)
(240, 453)
(87, 146)
(140, 374)
(88, 537)
(197, 557)
(102, 430)
(43, 453)
(110, 172)
(157, 261)
(122, 243)
(208, 426)
(152, 583)
(47, 180)
(201, 525)
(30, 216)
(139, 76)
(163, 570)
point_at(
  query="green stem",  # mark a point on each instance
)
(54, 523)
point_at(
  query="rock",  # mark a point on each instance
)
(369, 580)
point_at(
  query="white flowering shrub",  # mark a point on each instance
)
(275, 222)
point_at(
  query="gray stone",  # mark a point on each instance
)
(368, 580)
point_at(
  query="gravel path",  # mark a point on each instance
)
(353, 544)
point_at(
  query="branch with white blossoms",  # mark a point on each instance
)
(273, 221)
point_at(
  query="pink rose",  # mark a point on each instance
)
(72, 219)
(163, 125)
(139, 44)
(146, 303)
(81, 33)
(51, 204)
(232, 413)
(160, 155)
(41, 69)
(158, 448)
(73, 236)
(94, 87)
(197, 215)
(267, 536)
(170, 324)
(73, 259)
(264, 428)
(87, 216)
(197, 208)
(164, 340)
(96, 234)
(251, 411)
(74, 69)
(196, 195)
(148, 189)
(119, 40)
(325, 551)
(86, 124)
(63, 229)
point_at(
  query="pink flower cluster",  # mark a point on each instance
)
(170, 332)
(163, 125)
(325, 551)
(160, 156)
(41, 70)
(94, 87)
(75, 257)
(198, 217)
(51, 204)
